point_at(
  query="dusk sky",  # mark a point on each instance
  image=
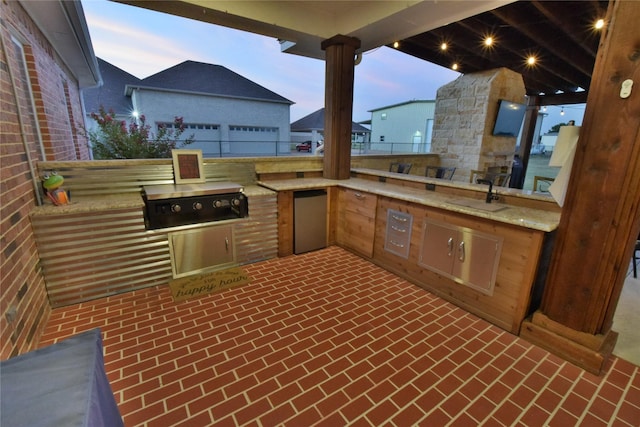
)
(143, 42)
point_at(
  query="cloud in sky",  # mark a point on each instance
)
(132, 48)
(143, 42)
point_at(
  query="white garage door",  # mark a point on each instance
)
(253, 140)
(207, 138)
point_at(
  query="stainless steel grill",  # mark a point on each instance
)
(182, 204)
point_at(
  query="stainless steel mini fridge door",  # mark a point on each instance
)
(310, 220)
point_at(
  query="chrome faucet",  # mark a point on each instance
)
(490, 195)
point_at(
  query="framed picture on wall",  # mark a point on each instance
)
(187, 166)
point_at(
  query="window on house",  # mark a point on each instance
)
(252, 129)
(193, 126)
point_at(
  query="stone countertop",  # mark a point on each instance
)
(87, 204)
(300, 184)
(116, 201)
(512, 192)
(535, 219)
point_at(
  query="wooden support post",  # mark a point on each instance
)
(338, 108)
(601, 215)
(528, 132)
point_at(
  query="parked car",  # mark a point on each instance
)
(304, 146)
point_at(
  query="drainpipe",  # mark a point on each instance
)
(32, 170)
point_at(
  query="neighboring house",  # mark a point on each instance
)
(110, 94)
(404, 127)
(47, 60)
(227, 113)
(311, 128)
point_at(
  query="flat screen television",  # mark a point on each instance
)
(509, 118)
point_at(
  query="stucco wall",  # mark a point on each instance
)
(402, 124)
(163, 106)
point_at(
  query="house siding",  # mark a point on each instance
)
(23, 301)
(402, 124)
(225, 112)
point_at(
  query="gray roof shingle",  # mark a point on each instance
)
(111, 94)
(315, 121)
(198, 77)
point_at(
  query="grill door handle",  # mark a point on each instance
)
(226, 243)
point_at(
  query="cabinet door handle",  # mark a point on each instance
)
(450, 245)
(399, 218)
(226, 243)
(396, 244)
(359, 195)
(461, 251)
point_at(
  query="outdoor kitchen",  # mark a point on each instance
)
(231, 218)
(435, 300)
(107, 241)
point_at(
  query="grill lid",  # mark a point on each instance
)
(174, 191)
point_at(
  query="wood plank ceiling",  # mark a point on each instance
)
(559, 34)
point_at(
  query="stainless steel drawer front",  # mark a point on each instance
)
(398, 235)
(201, 249)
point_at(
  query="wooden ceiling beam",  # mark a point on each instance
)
(559, 33)
(559, 13)
(564, 98)
(512, 55)
(426, 46)
(539, 35)
(466, 58)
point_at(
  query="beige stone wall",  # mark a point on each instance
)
(465, 114)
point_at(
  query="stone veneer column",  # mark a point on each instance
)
(465, 113)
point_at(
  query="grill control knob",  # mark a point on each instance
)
(176, 208)
(197, 206)
(217, 204)
(235, 202)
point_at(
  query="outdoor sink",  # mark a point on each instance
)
(478, 204)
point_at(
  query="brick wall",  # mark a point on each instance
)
(24, 307)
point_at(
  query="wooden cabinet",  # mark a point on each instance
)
(495, 284)
(467, 256)
(398, 236)
(356, 221)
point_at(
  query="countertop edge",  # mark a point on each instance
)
(133, 200)
(535, 219)
(512, 192)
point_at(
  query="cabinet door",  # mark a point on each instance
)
(438, 247)
(201, 249)
(356, 223)
(476, 260)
